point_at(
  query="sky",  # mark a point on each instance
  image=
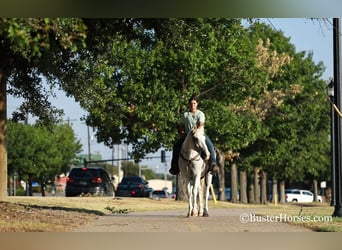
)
(305, 34)
(309, 35)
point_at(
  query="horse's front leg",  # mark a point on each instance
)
(190, 205)
(200, 197)
(195, 193)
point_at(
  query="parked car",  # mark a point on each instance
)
(173, 196)
(160, 194)
(227, 194)
(89, 181)
(299, 195)
(133, 186)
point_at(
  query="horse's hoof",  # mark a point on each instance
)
(194, 214)
(205, 215)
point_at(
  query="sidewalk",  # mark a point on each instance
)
(220, 220)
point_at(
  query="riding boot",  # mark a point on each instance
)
(174, 170)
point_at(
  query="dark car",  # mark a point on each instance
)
(160, 194)
(133, 186)
(89, 181)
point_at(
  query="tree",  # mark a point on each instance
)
(67, 145)
(149, 74)
(297, 125)
(33, 48)
(138, 94)
(40, 153)
(132, 169)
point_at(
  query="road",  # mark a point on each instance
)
(220, 220)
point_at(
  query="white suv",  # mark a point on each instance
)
(298, 195)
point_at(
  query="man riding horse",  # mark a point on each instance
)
(193, 118)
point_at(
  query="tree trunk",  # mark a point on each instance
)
(275, 191)
(233, 188)
(42, 189)
(256, 186)
(220, 161)
(251, 193)
(182, 194)
(264, 187)
(29, 188)
(10, 183)
(315, 189)
(243, 187)
(282, 191)
(3, 150)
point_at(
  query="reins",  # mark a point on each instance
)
(197, 157)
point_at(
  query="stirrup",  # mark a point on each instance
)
(213, 168)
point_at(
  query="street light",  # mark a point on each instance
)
(330, 88)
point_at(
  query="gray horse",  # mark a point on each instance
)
(194, 171)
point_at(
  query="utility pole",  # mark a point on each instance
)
(89, 139)
(337, 192)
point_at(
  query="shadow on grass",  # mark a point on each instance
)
(60, 208)
(309, 204)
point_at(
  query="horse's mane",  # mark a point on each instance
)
(194, 132)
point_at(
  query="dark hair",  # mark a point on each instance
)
(193, 98)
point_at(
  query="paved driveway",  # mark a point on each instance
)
(220, 220)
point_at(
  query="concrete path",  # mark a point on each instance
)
(220, 220)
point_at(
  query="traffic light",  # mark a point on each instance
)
(163, 157)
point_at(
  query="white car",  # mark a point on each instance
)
(299, 195)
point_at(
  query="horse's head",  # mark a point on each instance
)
(199, 141)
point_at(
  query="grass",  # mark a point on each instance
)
(316, 216)
(60, 214)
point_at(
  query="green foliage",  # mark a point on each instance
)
(232, 130)
(132, 169)
(35, 50)
(296, 144)
(144, 77)
(114, 210)
(40, 152)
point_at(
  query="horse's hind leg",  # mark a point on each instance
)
(205, 209)
(206, 196)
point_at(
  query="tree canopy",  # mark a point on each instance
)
(297, 127)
